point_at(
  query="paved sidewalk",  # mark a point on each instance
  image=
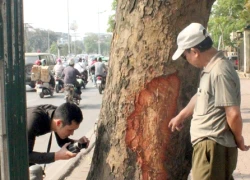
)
(242, 171)
(81, 171)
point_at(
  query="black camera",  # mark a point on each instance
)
(76, 147)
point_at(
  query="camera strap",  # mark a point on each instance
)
(48, 149)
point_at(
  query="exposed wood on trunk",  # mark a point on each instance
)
(147, 127)
(145, 89)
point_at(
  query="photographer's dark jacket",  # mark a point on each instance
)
(39, 120)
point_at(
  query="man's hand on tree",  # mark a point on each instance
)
(176, 123)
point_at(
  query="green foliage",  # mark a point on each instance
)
(53, 48)
(111, 23)
(91, 43)
(227, 16)
(64, 50)
(111, 20)
(37, 40)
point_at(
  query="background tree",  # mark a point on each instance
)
(245, 14)
(64, 50)
(79, 46)
(37, 39)
(90, 43)
(111, 20)
(54, 48)
(227, 16)
(145, 89)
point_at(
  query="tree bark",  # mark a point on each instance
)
(145, 89)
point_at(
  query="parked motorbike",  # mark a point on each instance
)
(70, 94)
(100, 82)
(44, 88)
(59, 85)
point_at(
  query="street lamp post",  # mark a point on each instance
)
(48, 42)
(74, 28)
(98, 41)
(239, 36)
(68, 27)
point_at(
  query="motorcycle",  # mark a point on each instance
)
(84, 79)
(44, 88)
(71, 95)
(59, 85)
(100, 82)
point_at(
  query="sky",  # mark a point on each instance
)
(53, 14)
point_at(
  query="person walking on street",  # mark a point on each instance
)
(216, 125)
(63, 121)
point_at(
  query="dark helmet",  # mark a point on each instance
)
(71, 62)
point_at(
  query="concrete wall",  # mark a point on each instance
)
(247, 51)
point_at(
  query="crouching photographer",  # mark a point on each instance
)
(63, 121)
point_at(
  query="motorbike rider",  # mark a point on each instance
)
(58, 70)
(92, 70)
(81, 67)
(70, 74)
(43, 63)
(100, 69)
(52, 79)
(38, 62)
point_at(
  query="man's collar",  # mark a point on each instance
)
(213, 61)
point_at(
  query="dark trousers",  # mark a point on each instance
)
(212, 161)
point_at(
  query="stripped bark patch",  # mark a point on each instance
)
(147, 126)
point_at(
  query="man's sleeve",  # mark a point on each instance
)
(32, 127)
(225, 91)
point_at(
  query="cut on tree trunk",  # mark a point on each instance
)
(145, 90)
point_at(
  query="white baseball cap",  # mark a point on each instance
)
(189, 37)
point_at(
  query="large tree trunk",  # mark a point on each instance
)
(145, 89)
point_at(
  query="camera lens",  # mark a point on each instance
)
(74, 147)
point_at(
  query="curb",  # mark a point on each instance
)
(62, 169)
(243, 75)
(75, 163)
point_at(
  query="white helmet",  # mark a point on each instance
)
(71, 62)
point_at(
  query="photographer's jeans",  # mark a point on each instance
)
(36, 172)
